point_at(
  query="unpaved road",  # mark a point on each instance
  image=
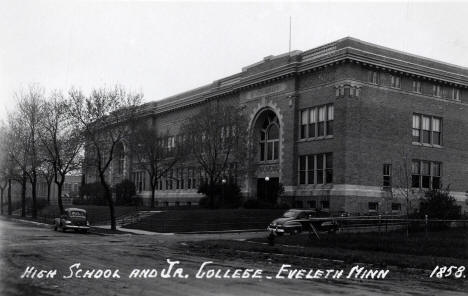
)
(24, 245)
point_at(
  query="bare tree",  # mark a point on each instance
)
(23, 141)
(154, 154)
(103, 118)
(3, 164)
(61, 141)
(218, 137)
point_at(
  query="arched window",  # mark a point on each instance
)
(269, 139)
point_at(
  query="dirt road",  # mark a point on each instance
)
(25, 245)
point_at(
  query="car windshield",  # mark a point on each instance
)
(77, 214)
(290, 214)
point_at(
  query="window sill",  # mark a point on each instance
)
(316, 138)
(427, 145)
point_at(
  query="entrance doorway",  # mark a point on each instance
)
(267, 189)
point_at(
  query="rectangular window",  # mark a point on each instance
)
(310, 169)
(321, 121)
(373, 206)
(436, 91)
(320, 159)
(316, 122)
(447, 93)
(304, 119)
(456, 94)
(302, 169)
(316, 169)
(312, 122)
(426, 174)
(417, 86)
(387, 175)
(328, 168)
(416, 128)
(374, 77)
(330, 117)
(436, 131)
(427, 129)
(395, 81)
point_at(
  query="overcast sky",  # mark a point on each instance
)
(163, 48)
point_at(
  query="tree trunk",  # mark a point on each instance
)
(110, 201)
(10, 210)
(59, 197)
(1, 206)
(34, 199)
(153, 189)
(48, 192)
(23, 195)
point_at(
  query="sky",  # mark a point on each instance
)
(164, 48)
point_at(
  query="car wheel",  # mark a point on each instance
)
(55, 227)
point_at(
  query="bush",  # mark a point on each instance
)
(439, 204)
(223, 195)
(125, 192)
(93, 194)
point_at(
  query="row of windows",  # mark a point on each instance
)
(316, 168)
(312, 204)
(427, 129)
(424, 174)
(317, 122)
(180, 178)
(450, 93)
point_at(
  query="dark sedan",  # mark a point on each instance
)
(297, 220)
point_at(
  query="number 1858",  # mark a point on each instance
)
(448, 271)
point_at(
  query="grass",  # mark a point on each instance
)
(194, 220)
(439, 248)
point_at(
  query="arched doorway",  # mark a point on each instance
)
(266, 135)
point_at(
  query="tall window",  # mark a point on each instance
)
(387, 175)
(427, 129)
(425, 174)
(395, 81)
(121, 162)
(139, 180)
(436, 91)
(316, 168)
(269, 139)
(317, 121)
(417, 87)
(373, 77)
(456, 94)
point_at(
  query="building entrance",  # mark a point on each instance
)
(267, 189)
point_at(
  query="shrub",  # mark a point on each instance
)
(125, 192)
(222, 195)
(439, 204)
(93, 194)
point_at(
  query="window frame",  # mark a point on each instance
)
(431, 175)
(431, 131)
(311, 126)
(323, 169)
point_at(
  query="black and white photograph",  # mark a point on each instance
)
(233, 148)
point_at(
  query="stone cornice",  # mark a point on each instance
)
(323, 56)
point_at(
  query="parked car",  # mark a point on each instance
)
(73, 218)
(297, 220)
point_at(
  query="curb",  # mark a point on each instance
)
(222, 231)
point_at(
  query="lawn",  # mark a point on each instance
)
(448, 247)
(191, 220)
